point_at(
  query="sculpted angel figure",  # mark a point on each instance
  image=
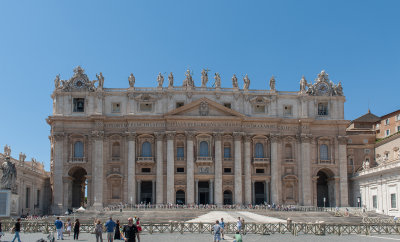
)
(246, 81)
(303, 84)
(272, 83)
(234, 81)
(131, 80)
(160, 79)
(204, 78)
(100, 79)
(170, 80)
(339, 89)
(217, 80)
(57, 81)
(188, 81)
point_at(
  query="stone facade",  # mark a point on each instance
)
(32, 187)
(187, 144)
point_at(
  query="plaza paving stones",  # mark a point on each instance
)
(167, 237)
(231, 217)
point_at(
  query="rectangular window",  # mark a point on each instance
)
(398, 128)
(146, 107)
(398, 117)
(374, 201)
(179, 104)
(287, 110)
(180, 152)
(28, 197)
(180, 170)
(322, 109)
(227, 152)
(387, 132)
(79, 105)
(366, 151)
(387, 121)
(116, 107)
(260, 171)
(227, 170)
(146, 170)
(393, 200)
(259, 108)
(227, 105)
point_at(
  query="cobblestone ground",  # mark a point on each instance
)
(229, 238)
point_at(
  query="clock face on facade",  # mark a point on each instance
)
(78, 83)
(322, 88)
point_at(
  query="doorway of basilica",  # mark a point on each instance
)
(322, 190)
(227, 197)
(78, 175)
(146, 193)
(204, 192)
(259, 192)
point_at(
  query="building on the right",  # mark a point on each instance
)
(376, 186)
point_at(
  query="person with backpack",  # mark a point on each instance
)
(17, 229)
(59, 228)
(217, 231)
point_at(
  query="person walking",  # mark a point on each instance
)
(243, 227)
(130, 231)
(117, 234)
(217, 231)
(69, 227)
(222, 225)
(77, 225)
(17, 229)
(110, 226)
(139, 227)
(59, 228)
(239, 224)
(99, 231)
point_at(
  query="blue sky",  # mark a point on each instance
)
(356, 42)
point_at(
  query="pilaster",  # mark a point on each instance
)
(160, 168)
(58, 189)
(218, 169)
(190, 188)
(305, 169)
(247, 171)
(238, 167)
(275, 176)
(344, 193)
(170, 167)
(131, 137)
(98, 164)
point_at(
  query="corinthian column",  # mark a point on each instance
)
(238, 167)
(247, 171)
(160, 169)
(98, 164)
(218, 169)
(131, 136)
(170, 167)
(190, 168)
(344, 194)
(305, 169)
(58, 140)
(275, 174)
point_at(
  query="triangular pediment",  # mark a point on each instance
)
(206, 108)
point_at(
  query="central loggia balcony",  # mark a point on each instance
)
(260, 161)
(205, 160)
(78, 160)
(145, 160)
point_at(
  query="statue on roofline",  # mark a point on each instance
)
(303, 84)
(131, 80)
(100, 79)
(160, 79)
(246, 81)
(272, 83)
(170, 80)
(235, 81)
(217, 80)
(204, 78)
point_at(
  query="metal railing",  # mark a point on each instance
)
(290, 227)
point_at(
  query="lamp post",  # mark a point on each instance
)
(359, 201)
(324, 201)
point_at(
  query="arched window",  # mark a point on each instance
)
(227, 150)
(323, 152)
(204, 149)
(146, 149)
(259, 150)
(78, 149)
(115, 149)
(288, 151)
(180, 150)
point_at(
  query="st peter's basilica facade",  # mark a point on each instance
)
(197, 145)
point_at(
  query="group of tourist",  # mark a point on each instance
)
(113, 229)
(114, 232)
(219, 228)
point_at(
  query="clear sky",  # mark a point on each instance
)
(356, 42)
